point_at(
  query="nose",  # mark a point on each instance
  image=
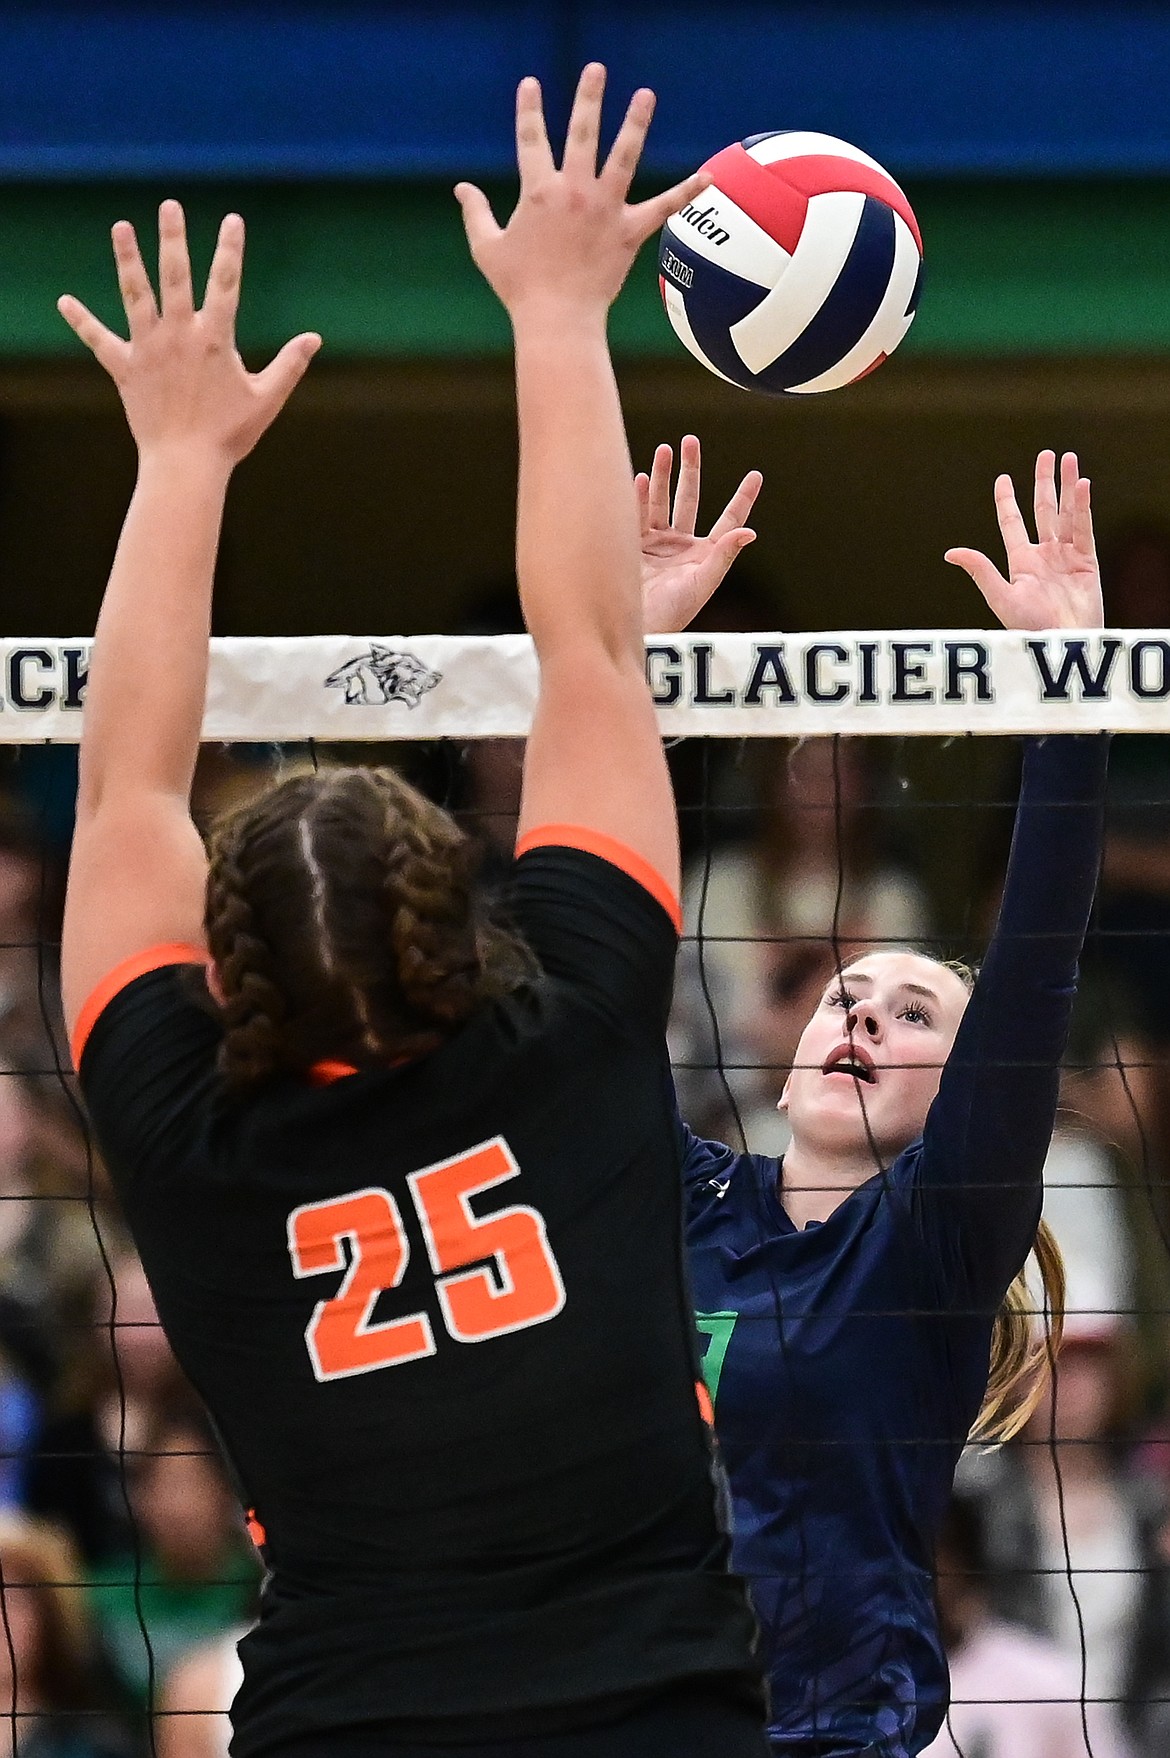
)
(863, 1019)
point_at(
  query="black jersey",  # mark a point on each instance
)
(440, 1317)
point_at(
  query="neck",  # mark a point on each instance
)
(815, 1181)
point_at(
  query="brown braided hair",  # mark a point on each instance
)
(345, 924)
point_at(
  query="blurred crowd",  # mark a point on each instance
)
(126, 1571)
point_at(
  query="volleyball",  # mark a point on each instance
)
(798, 270)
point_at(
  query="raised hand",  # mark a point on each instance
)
(1054, 583)
(681, 570)
(573, 235)
(180, 376)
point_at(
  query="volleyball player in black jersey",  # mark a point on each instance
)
(406, 1188)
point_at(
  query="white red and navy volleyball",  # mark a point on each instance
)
(798, 270)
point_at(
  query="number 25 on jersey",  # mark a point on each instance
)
(515, 1282)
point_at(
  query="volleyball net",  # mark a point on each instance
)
(837, 792)
(467, 687)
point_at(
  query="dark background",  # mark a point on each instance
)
(1034, 141)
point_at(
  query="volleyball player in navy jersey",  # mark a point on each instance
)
(850, 1291)
(405, 1183)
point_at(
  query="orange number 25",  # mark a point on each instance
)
(514, 1283)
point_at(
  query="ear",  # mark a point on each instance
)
(215, 986)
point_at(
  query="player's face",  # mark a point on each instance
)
(870, 1059)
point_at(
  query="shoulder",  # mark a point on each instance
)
(895, 1184)
(144, 987)
(582, 862)
(601, 922)
(147, 1064)
(722, 1184)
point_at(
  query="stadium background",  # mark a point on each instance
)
(1034, 142)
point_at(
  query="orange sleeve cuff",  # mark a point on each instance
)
(607, 848)
(137, 965)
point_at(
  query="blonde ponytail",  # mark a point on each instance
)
(1021, 1353)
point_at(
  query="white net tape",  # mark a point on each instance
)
(904, 681)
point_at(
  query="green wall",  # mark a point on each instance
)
(382, 270)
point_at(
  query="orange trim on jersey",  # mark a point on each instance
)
(607, 848)
(137, 965)
(706, 1408)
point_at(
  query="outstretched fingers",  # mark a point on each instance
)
(651, 215)
(1069, 476)
(584, 129)
(984, 573)
(686, 497)
(626, 151)
(533, 153)
(1047, 512)
(174, 262)
(726, 550)
(133, 280)
(479, 222)
(738, 509)
(107, 349)
(642, 496)
(1011, 523)
(221, 298)
(1082, 521)
(658, 488)
(281, 376)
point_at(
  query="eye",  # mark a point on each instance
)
(841, 998)
(916, 1015)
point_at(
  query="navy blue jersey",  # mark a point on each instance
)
(848, 1361)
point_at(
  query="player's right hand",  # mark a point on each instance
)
(680, 569)
(1054, 583)
(573, 236)
(180, 376)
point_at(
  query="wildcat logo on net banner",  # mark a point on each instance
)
(896, 682)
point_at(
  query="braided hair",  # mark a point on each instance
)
(345, 924)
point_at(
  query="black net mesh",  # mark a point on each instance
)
(126, 1573)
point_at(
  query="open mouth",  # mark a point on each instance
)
(848, 1059)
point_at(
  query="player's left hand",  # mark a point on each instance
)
(681, 570)
(573, 236)
(180, 376)
(1054, 583)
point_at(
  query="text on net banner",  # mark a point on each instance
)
(768, 685)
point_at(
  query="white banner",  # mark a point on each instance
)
(341, 687)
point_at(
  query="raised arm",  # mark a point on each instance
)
(989, 1129)
(594, 757)
(137, 870)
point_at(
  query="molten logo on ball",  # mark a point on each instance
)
(802, 261)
